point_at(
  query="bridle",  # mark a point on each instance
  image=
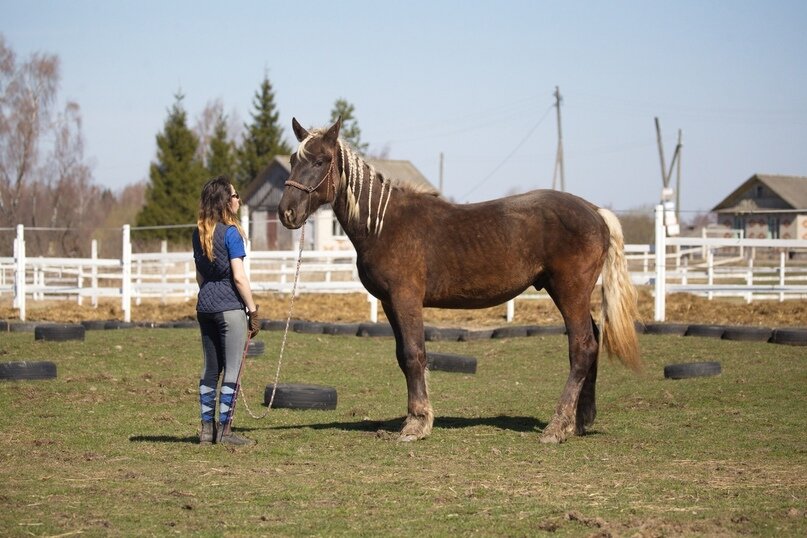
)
(308, 189)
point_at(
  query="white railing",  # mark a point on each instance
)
(705, 266)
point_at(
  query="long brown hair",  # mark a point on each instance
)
(214, 208)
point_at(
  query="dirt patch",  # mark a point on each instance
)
(681, 308)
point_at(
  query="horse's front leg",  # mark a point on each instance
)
(410, 349)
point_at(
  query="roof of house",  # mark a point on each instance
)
(791, 190)
(279, 169)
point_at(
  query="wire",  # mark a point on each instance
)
(509, 155)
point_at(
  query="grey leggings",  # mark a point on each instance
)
(224, 336)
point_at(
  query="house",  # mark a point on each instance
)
(767, 206)
(323, 232)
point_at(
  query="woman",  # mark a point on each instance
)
(225, 307)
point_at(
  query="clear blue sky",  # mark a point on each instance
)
(470, 79)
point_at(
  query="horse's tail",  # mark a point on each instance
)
(619, 308)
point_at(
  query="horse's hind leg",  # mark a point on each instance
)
(410, 349)
(573, 302)
(586, 405)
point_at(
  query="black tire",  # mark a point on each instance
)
(340, 329)
(27, 370)
(300, 396)
(692, 369)
(476, 334)
(640, 327)
(375, 329)
(451, 363)
(443, 334)
(255, 348)
(308, 327)
(510, 332)
(542, 330)
(747, 334)
(94, 324)
(791, 337)
(676, 329)
(185, 324)
(22, 327)
(708, 331)
(3, 326)
(276, 325)
(115, 324)
(59, 332)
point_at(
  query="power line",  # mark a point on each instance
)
(510, 155)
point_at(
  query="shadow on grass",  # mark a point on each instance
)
(502, 422)
(192, 439)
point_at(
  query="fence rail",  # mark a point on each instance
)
(754, 269)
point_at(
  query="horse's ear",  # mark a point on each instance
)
(333, 132)
(298, 129)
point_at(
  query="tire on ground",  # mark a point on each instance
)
(375, 329)
(300, 396)
(792, 337)
(308, 327)
(94, 324)
(27, 370)
(676, 329)
(478, 334)
(708, 331)
(691, 369)
(443, 334)
(255, 348)
(510, 332)
(542, 330)
(59, 332)
(447, 362)
(747, 334)
(343, 329)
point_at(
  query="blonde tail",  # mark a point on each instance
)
(619, 309)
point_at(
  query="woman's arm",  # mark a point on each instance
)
(242, 283)
(199, 278)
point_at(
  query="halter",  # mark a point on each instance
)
(308, 189)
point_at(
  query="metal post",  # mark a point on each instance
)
(661, 271)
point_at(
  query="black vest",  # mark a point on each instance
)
(218, 292)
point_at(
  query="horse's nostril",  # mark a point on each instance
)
(289, 214)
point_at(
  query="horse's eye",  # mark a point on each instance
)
(318, 162)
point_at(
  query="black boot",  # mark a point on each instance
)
(225, 436)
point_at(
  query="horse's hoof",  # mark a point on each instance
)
(407, 438)
(551, 439)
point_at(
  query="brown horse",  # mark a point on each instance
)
(417, 250)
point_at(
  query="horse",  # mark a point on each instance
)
(415, 249)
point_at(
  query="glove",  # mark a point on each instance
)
(254, 322)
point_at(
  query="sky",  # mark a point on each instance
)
(471, 80)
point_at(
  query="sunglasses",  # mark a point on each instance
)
(235, 195)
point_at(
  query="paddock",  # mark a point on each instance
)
(109, 445)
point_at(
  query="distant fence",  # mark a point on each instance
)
(753, 269)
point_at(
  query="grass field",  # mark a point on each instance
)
(110, 446)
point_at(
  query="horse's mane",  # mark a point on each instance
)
(352, 182)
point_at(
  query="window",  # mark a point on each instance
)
(773, 227)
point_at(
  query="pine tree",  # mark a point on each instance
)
(264, 137)
(175, 180)
(350, 130)
(221, 158)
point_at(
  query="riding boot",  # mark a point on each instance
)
(207, 402)
(225, 436)
(208, 433)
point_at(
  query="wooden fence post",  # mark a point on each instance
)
(661, 269)
(19, 271)
(126, 274)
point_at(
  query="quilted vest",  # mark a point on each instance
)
(218, 292)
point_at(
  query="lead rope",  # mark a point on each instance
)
(285, 335)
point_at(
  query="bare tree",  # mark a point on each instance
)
(27, 95)
(205, 127)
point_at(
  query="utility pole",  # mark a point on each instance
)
(441, 172)
(671, 209)
(559, 156)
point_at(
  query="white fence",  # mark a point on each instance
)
(753, 269)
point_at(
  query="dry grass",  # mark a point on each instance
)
(681, 308)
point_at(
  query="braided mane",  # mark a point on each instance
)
(352, 180)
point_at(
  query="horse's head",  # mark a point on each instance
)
(313, 179)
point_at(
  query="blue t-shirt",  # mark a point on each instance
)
(235, 243)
